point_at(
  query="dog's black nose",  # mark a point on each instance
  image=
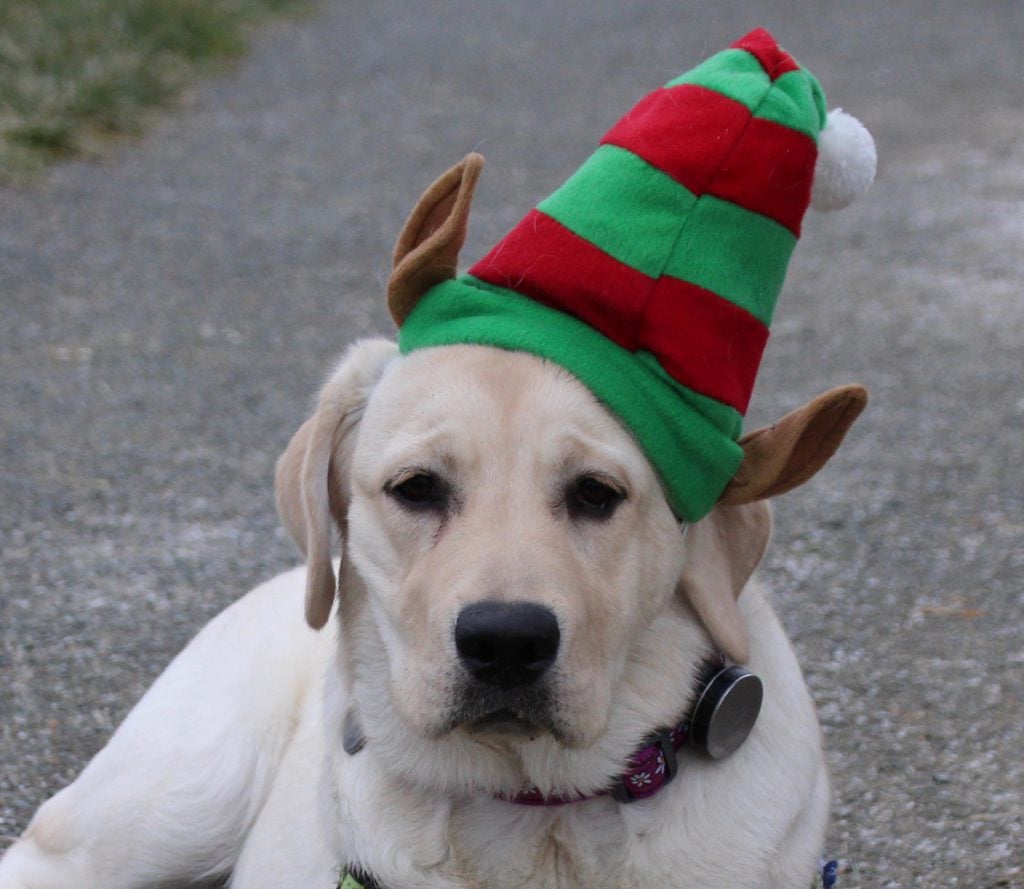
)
(507, 644)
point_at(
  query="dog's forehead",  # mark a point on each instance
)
(475, 396)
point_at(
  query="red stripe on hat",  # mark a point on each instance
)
(701, 339)
(711, 144)
(704, 341)
(684, 131)
(769, 171)
(763, 47)
(544, 260)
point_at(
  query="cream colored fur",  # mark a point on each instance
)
(233, 763)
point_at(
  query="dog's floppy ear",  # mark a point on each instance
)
(722, 551)
(725, 547)
(311, 480)
(778, 458)
(427, 250)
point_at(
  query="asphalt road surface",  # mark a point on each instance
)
(168, 313)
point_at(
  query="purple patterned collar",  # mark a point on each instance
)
(650, 768)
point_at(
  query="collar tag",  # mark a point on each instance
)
(725, 712)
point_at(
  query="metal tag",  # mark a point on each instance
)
(726, 712)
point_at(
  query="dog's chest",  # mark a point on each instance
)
(572, 848)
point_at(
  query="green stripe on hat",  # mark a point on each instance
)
(740, 255)
(795, 99)
(645, 219)
(690, 439)
(621, 204)
(734, 73)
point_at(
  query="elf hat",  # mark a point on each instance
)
(652, 273)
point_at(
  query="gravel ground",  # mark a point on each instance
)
(167, 315)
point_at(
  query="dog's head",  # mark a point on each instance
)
(504, 534)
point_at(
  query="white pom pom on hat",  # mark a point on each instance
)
(846, 162)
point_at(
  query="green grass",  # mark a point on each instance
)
(74, 73)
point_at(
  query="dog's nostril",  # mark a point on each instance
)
(481, 650)
(507, 644)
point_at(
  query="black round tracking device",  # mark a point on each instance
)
(725, 711)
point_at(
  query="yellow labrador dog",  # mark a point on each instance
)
(515, 612)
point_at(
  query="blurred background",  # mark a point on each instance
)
(170, 303)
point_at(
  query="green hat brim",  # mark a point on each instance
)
(690, 439)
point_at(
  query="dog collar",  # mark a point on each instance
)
(650, 768)
(723, 713)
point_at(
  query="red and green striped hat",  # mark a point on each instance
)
(652, 273)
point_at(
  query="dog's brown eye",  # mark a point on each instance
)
(593, 497)
(422, 490)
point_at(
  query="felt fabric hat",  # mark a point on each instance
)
(652, 273)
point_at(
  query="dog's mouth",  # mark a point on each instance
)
(503, 722)
(516, 713)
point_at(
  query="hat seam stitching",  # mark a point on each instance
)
(642, 317)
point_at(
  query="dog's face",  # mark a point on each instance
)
(510, 544)
(513, 539)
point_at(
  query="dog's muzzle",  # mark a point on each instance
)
(506, 649)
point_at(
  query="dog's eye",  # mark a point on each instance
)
(592, 497)
(421, 491)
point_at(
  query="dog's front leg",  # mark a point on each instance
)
(171, 798)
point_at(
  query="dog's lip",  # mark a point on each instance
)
(504, 722)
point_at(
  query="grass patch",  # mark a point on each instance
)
(76, 72)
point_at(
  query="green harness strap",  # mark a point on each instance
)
(350, 882)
